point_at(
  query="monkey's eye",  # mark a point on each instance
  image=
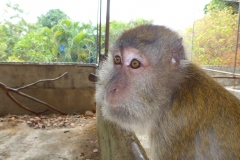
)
(135, 64)
(117, 60)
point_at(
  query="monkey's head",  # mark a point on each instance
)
(140, 74)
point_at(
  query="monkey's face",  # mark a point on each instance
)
(125, 90)
(128, 65)
(140, 75)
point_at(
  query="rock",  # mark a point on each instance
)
(95, 150)
(89, 113)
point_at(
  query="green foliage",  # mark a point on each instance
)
(78, 41)
(216, 5)
(15, 9)
(139, 21)
(214, 38)
(117, 27)
(35, 46)
(12, 33)
(52, 18)
(12, 28)
(3, 54)
(54, 38)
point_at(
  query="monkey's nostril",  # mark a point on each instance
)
(113, 90)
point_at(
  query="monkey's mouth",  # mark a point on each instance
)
(115, 107)
(117, 110)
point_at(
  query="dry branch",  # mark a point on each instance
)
(7, 91)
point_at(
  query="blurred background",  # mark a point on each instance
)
(73, 31)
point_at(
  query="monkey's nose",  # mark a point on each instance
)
(112, 95)
(113, 90)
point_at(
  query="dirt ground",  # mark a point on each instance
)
(48, 137)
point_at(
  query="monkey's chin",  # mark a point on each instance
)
(121, 116)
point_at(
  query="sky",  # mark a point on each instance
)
(172, 13)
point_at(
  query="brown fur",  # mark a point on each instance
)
(185, 112)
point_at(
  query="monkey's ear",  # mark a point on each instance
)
(178, 53)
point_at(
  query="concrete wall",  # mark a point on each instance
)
(72, 93)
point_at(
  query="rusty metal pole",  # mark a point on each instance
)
(99, 31)
(107, 29)
(92, 77)
(236, 51)
(237, 39)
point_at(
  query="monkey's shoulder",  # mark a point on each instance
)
(199, 89)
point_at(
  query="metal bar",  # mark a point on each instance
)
(107, 29)
(226, 77)
(100, 33)
(236, 51)
(97, 54)
(221, 71)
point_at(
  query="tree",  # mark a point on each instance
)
(214, 38)
(12, 28)
(3, 53)
(52, 18)
(216, 5)
(117, 27)
(35, 46)
(74, 42)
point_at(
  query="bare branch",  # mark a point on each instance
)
(39, 101)
(42, 80)
(7, 91)
(22, 106)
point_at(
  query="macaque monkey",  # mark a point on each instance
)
(147, 83)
